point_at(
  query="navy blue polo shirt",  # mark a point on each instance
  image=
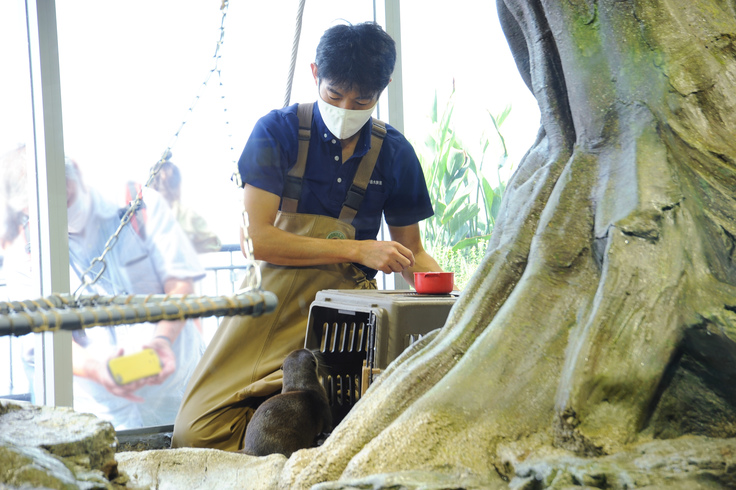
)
(396, 190)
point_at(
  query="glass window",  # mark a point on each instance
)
(132, 89)
(130, 72)
(456, 52)
(16, 131)
(133, 73)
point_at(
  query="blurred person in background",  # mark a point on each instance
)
(155, 259)
(168, 184)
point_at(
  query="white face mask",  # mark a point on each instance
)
(78, 213)
(343, 123)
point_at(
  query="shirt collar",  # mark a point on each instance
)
(364, 141)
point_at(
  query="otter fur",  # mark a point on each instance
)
(295, 418)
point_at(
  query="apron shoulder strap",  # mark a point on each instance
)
(293, 184)
(356, 193)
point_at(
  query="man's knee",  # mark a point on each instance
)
(186, 432)
(221, 430)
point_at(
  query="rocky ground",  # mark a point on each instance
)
(57, 448)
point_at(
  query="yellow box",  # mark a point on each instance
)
(126, 369)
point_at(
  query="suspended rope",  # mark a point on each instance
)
(65, 312)
(290, 77)
(294, 50)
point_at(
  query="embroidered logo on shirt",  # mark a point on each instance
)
(376, 182)
(336, 235)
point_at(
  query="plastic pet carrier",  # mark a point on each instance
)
(359, 333)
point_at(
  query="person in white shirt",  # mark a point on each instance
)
(156, 259)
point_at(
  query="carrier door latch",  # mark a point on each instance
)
(369, 365)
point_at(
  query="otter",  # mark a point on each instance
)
(297, 417)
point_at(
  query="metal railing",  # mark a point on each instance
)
(228, 259)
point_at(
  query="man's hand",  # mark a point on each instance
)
(386, 257)
(99, 373)
(409, 236)
(165, 355)
(166, 333)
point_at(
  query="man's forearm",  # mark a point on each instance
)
(423, 263)
(280, 247)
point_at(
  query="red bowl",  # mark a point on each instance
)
(434, 282)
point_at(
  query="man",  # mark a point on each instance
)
(156, 259)
(298, 199)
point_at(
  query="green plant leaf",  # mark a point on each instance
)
(439, 208)
(488, 197)
(458, 231)
(446, 118)
(470, 164)
(468, 212)
(497, 125)
(430, 143)
(504, 114)
(452, 189)
(462, 222)
(465, 203)
(455, 163)
(469, 242)
(452, 208)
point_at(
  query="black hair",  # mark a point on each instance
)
(168, 181)
(173, 173)
(358, 56)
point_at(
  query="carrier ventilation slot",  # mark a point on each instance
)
(343, 337)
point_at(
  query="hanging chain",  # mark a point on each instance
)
(89, 277)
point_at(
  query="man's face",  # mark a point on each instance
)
(351, 99)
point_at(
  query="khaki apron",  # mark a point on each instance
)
(241, 366)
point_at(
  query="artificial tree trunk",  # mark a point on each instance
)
(604, 311)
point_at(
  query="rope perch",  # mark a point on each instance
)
(63, 312)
